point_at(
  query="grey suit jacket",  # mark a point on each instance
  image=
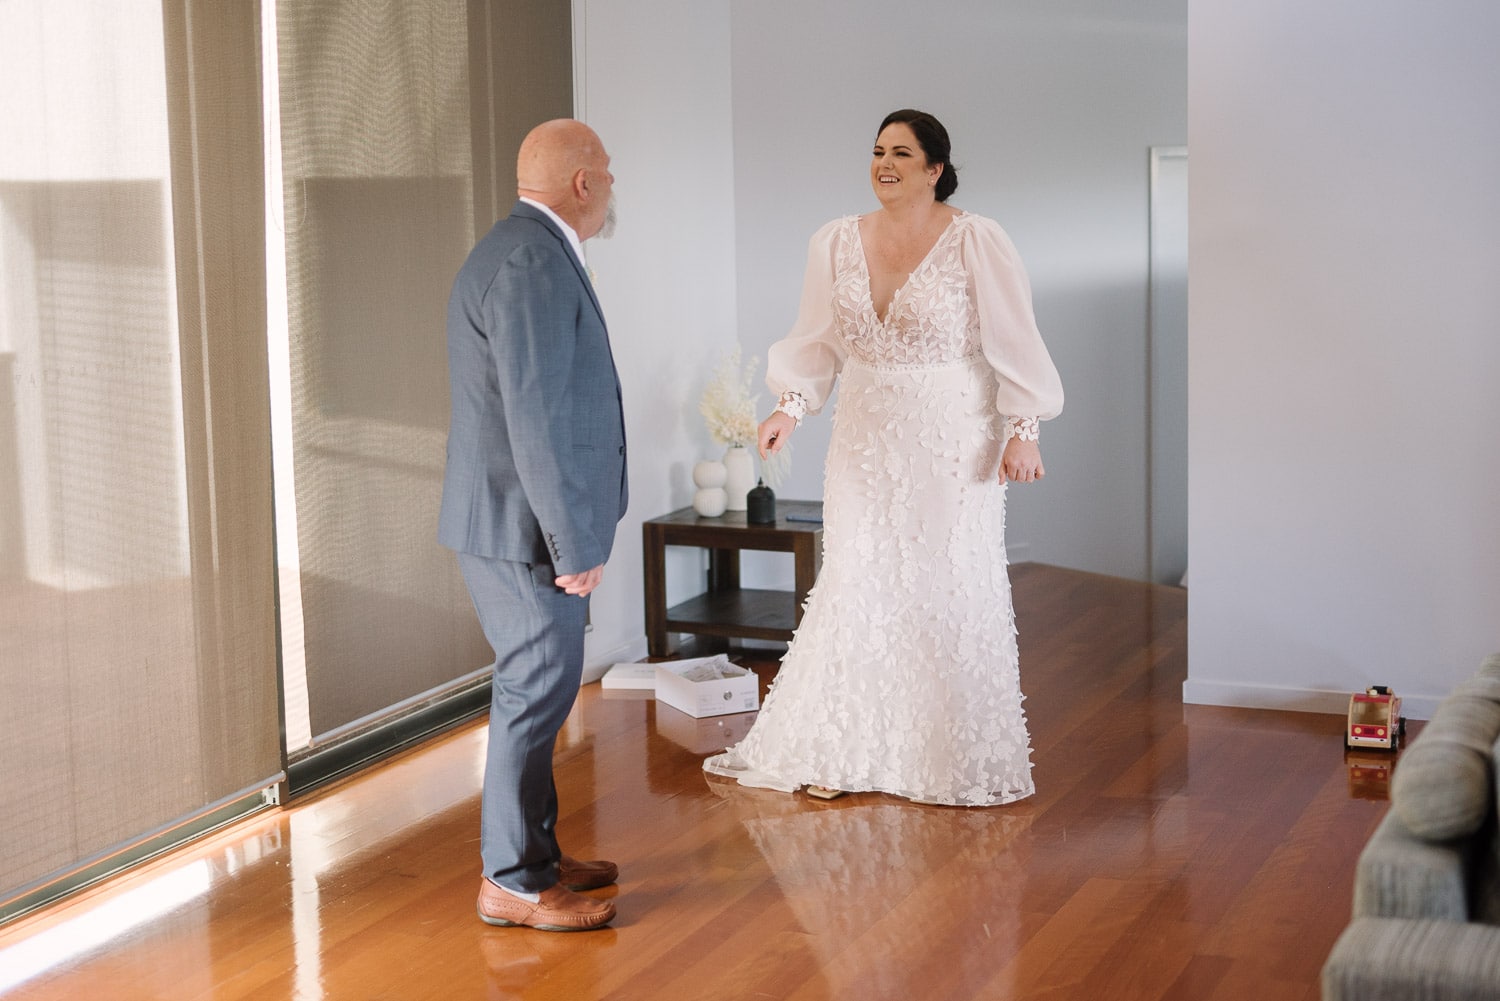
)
(536, 444)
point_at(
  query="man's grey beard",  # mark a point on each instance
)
(608, 229)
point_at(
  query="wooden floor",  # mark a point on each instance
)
(1183, 853)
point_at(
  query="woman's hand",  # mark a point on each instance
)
(1021, 461)
(773, 433)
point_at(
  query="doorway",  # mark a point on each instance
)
(1167, 365)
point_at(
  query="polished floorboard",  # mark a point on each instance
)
(1177, 853)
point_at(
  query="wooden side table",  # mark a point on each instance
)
(725, 609)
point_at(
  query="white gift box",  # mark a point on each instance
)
(707, 686)
(630, 677)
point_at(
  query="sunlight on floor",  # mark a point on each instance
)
(110, 920)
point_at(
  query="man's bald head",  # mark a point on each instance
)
(562, 164)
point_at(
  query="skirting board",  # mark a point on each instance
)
(1197, 691)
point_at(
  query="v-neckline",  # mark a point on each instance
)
(864, 261)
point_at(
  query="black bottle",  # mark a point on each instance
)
(760, 505)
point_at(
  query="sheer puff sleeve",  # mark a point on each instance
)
(807, 360)
(1029, 387)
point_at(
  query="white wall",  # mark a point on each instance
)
(1345, 349)
(739, 127)
(1052, 110)
(653, 81)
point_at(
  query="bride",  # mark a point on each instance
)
(903, 676)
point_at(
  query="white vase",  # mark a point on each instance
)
(740, 467)
(709, 473)
(709, 476)
(709, 501)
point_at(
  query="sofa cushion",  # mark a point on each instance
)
(1441, 788)
(1384, 959)
(1469, 716)
(1483, 686)
(1490, 668)
(1400, 875)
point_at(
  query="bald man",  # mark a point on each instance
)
(533, 490)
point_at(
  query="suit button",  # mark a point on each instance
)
(622, 449)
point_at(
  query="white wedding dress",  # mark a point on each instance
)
(903, 676)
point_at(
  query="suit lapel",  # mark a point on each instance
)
(531, 212)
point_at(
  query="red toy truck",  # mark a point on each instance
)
(1375, 719)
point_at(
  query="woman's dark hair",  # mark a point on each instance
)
(933, 139)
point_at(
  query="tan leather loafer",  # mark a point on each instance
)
(560, 909)
(579, 875)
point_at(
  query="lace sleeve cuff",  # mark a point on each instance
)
(1025, 428)
(793, 405)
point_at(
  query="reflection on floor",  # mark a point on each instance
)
(1175, 853)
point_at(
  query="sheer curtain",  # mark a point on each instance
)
(399, 122)
(137, 631)
(139, 696)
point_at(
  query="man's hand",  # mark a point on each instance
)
(581, 583)
(1021, 461)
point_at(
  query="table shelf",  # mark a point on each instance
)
(747, 613)
(724, 609)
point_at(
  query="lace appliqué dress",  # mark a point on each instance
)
(903, 676)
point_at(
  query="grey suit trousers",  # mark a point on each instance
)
(536, 630)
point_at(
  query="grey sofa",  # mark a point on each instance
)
(1426, 924)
